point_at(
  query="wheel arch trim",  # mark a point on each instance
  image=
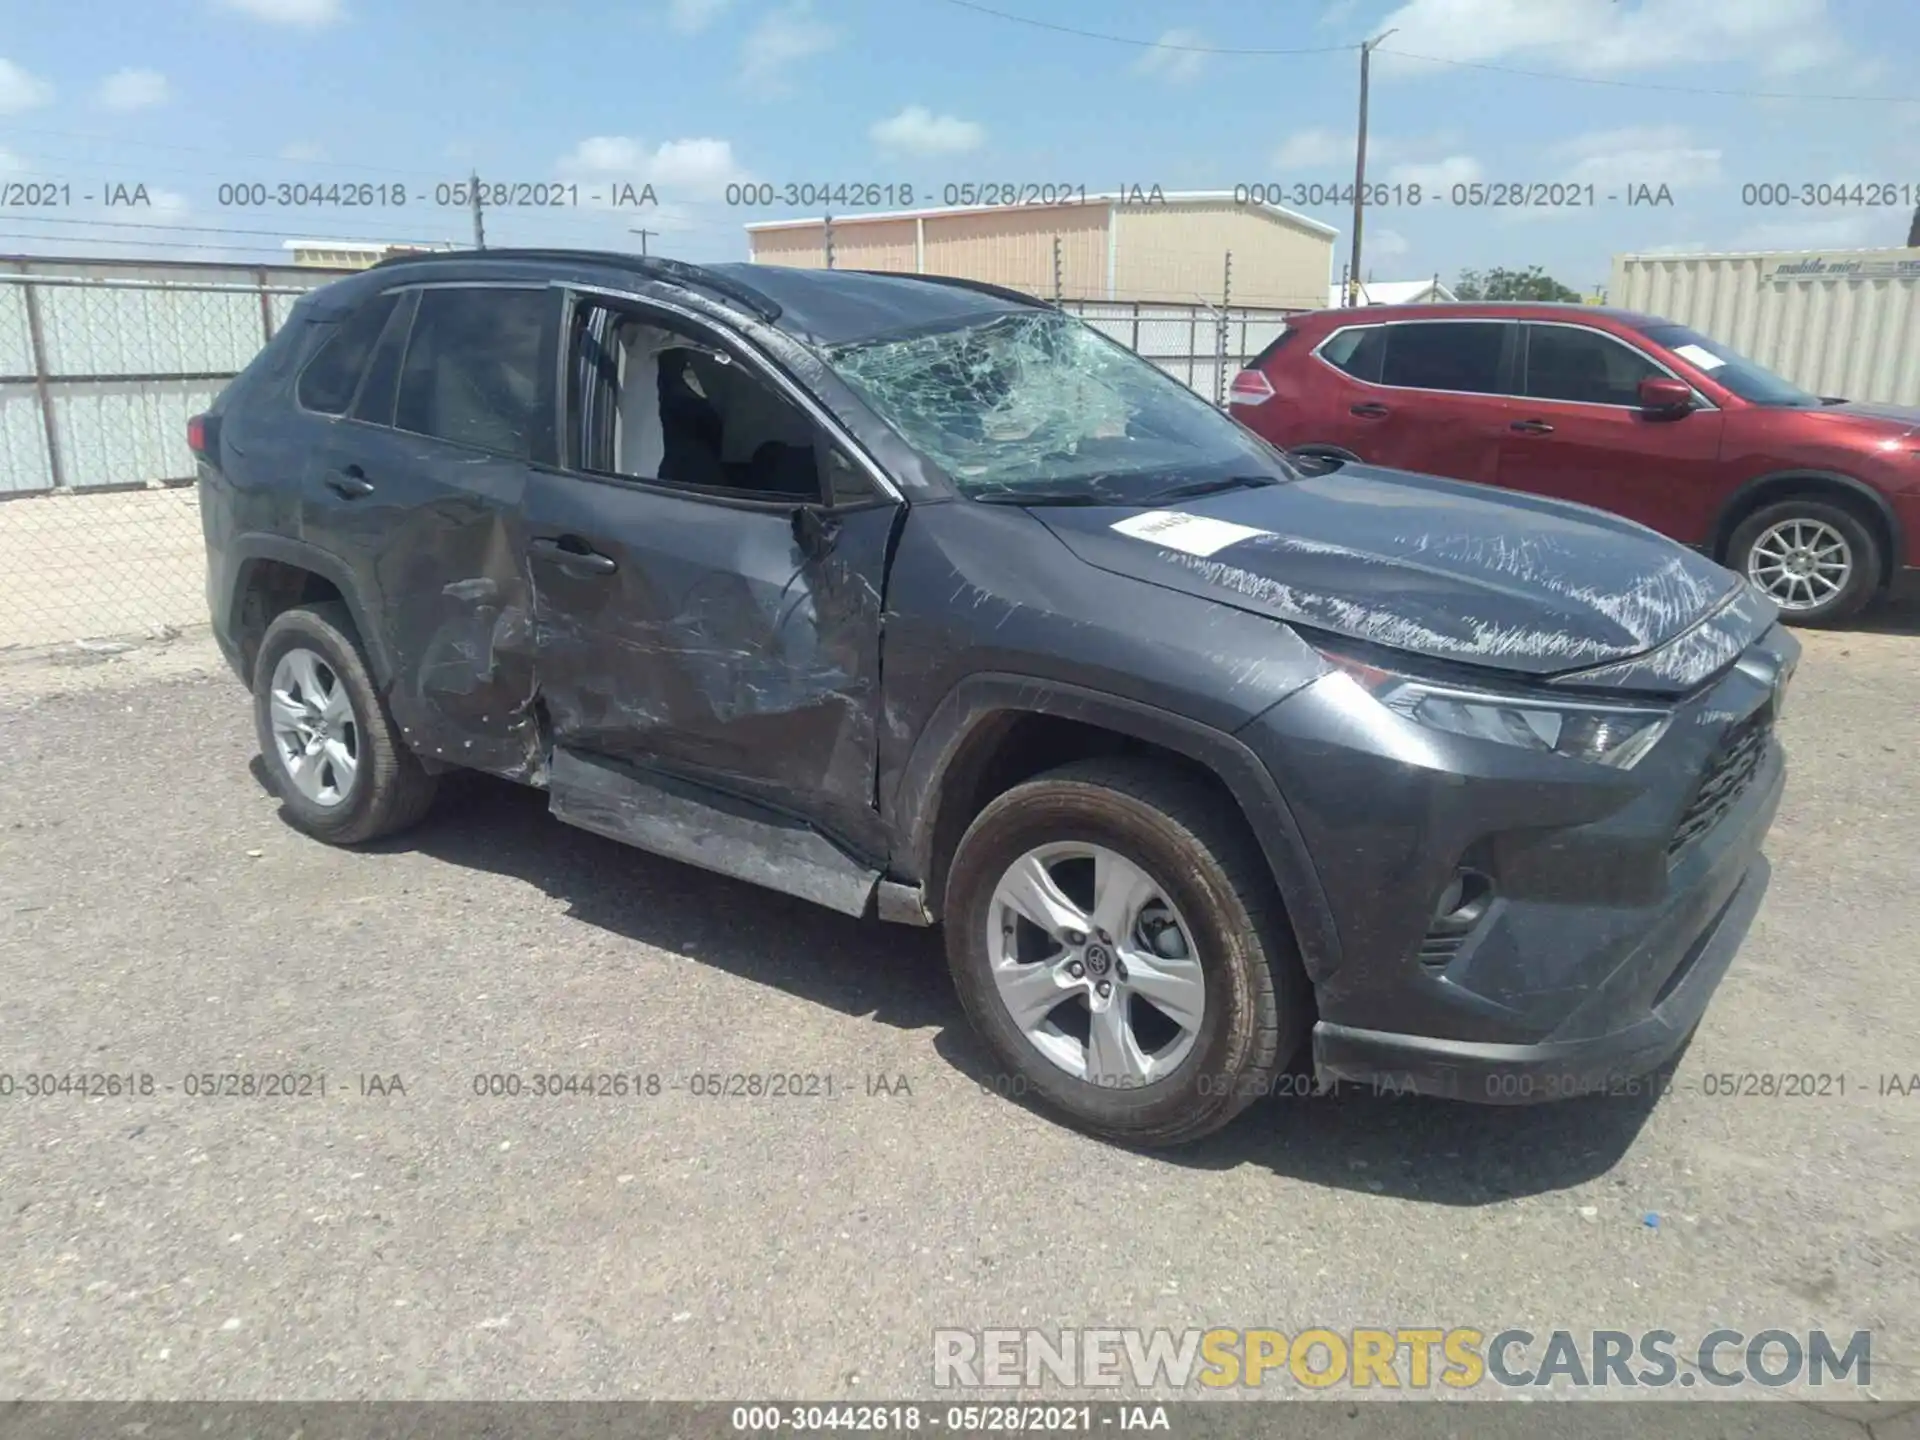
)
(1754, 493)
(985, 698)
(329, 567)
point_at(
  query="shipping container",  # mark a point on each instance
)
(1837, 322)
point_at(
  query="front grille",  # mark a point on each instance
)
(1728, 775)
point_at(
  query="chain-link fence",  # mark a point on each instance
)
(101, 366)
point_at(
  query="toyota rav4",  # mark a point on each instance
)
(922, 600)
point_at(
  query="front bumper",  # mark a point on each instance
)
(1604, 938)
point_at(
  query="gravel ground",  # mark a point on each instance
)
(157, 917)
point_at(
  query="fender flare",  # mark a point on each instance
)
(981, 698)
(304, 556)
(1742, 499)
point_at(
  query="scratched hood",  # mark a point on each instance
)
(1438, 568)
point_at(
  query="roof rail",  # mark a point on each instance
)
(657, 267)
(960, 282)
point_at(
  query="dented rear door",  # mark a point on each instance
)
(418, 489)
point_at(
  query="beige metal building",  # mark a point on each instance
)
(350, 254)
(1837, 322)
(1177, 247)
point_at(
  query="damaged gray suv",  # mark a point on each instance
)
(922, 600)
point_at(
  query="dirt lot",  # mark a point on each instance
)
(157, 918)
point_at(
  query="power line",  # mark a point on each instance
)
(1437, 60)
(1571, 79)
(215, 230)
(1142, 44)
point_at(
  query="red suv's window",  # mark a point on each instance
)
(1446, 355)
(1565, 362)
(1358, 351)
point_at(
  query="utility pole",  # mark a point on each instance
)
(1360, 160)
(643, 233)
(479, 220)
(1056, 269)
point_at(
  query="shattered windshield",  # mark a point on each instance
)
(1037, 399)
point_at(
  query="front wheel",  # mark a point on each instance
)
(1814, 560)
(1119, 944)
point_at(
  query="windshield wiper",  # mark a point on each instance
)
(1034, 495)
(1213, 487)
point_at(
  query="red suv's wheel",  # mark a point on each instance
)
(1814, 560)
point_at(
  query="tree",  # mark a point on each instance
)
(1913, 230)
(1533, 283)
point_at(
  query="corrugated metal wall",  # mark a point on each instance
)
(125, 354)
(1834, 333)
(1174, 251)
(1178, 252)
(1016, 248)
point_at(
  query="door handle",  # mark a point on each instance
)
(1369, 410)
(1531, 427)
(560, 553)
(350, 483)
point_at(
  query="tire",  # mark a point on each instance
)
(1771, 531)
(1207, 874)
(383, 790)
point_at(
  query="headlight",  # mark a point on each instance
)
(1614, 735)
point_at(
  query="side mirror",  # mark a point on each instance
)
(1666, 396)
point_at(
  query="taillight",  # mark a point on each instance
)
(1249, 387)
(197, 434)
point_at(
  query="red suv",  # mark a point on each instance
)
(1816, 499)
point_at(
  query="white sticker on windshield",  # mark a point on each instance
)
(1700, 356)
(1189, 534)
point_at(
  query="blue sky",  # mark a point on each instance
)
(692, 95)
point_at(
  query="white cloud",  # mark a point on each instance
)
(1318, 149)
(699, 168)
(310, 14)
(1862, 230)
(299, 150)
(1434, 175)
(783, 40)
(11, 164)
(132, 90)
(916, 130)
(1646, 154)
(1168, 61)
(690, 17)
(19, 90)
(1384, 244)
(1604, 36)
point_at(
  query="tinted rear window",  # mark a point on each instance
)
(331, 377)
(472, 372)
(1358, 351)
(1446, 355)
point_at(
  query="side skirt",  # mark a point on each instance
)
(700, 826)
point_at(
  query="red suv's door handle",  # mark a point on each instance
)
(1531, 427)
(1369, 410)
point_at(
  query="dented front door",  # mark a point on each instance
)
(732, 642)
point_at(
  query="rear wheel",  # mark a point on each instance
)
(1813, 559)
(1120, 946)
(335, 756)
